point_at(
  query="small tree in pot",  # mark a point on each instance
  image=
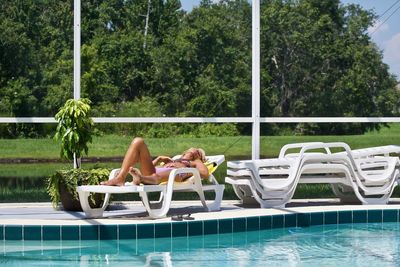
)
(74, 131)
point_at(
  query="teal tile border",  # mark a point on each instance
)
(13, 232)
(70, 232)
(145, 230)
(290, 220)
(253, 223)
(225, 226)
(316, 218)
(390, 215)
(89, 232)
(179, 229)
(33, 232)
(303, 219)
(127, 231)
(278, 221)
(239, 224)
(331, 217)
(1, 232)
(51, 232)
(162, 230)
(195, 227)
(345, 217)
(375, 216)
(265, 222)
(108, 232)
(359, 216)
(210, 227)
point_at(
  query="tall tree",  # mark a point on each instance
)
(204, 69)
(317, 60)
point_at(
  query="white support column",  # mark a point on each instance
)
(77, 49)
(256, 79)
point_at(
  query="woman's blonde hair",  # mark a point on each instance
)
(201, 154)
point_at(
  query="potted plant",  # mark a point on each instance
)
(62, 187)
(74, 131)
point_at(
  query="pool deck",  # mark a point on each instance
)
(134, 212)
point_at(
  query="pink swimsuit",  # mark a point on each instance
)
(163, 169)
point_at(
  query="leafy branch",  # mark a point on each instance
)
(74, 129)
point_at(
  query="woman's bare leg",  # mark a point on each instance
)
(138, 178)
(137, 152)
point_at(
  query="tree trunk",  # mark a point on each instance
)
(146, 27)
(77, 162)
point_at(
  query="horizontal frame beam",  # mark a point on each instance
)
(210, 120)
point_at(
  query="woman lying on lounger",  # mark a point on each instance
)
(150, 172)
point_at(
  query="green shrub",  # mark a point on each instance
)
(148, 107)
(73, 178)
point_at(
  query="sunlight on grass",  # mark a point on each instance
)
(231, 147)
(237, 147)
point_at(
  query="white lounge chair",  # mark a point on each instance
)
(281, 167)
(272, 182)
(346, 193)
(159, 208)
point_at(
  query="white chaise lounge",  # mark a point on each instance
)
(272, 182)
(282, 167)
(161, 207)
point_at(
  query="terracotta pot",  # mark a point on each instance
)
(71, 204)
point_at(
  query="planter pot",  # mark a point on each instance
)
(62, 180)
(71, 204)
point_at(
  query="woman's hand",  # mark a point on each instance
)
(159, 159)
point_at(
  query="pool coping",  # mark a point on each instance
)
(228, 220)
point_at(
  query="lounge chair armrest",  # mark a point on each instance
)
(286, 147)
(176, 172)
(326, 146)
(376, 151)
(113, 173)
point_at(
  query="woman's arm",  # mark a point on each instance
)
(159, 159)
(203, 170)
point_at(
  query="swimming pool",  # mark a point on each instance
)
(328, 245)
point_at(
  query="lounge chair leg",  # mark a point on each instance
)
(156, 212)
(216, 204)
(89, 211)
(269, 203)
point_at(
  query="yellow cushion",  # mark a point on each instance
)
(211, 166)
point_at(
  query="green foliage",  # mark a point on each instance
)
(17, 98)
(317, 60)
(71, 179)
(96, 82)
(149, 107)
(58, 82)
(74, 129)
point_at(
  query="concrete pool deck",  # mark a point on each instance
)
(134, 212)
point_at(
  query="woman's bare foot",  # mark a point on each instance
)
(117, 180)
(135, 175)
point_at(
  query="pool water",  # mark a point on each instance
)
(328, 245)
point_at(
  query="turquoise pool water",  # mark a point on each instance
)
(373, 244)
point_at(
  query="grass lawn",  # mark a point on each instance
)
(231, 147)
(238, 147)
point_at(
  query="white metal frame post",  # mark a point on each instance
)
(77, 49)
(77, 56)
(255, 153)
